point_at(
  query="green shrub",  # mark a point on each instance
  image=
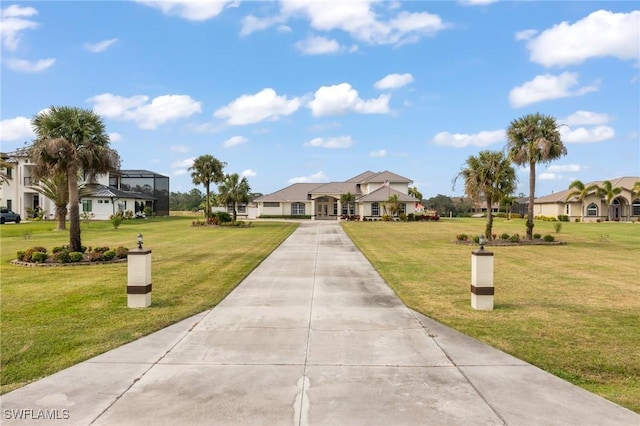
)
(100, 249)
(504, 236)
(20, 255)
(537, 236)
(577, 220)
(109, 255)
(61, 256)
(94, 256)
(549, 238)
(476, 239)
(516, 216)
(116, 221)
(223, 217)
(58, 249)
(462, 237)
(121, 252)
(515, 238)
(386, 217)
(411, 217)
(28, 253)
(403, 217)
(558, 227)
(76, 256)
(39, 257)
(148, 212)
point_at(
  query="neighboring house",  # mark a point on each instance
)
(321, 201)
(624, 207)
(127, 190)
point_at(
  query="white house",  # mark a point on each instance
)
(100, 199)
(321, 201)
(624, 207)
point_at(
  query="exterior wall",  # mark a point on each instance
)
(284, 209)
(18, 194)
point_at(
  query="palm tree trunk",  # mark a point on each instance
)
(75, 242)
(235, 212)
(489, 227)
(532, 189)
(206, 203)
(61, 216)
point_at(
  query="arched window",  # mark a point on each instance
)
(297, 209)
(636, 207)
(592, 210)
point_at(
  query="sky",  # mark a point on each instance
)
(321, 91)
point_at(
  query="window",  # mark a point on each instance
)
(375, 209)
(592, 210)
(9, 205)
(271, 204)
(635, 209)
(403, 208)
(297, 209)
(566, 209)
(86, 206)
(9, 172)
(242, 208)
(335, 207)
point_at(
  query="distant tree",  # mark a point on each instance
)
(347, 200)
(488, 176)
(507, 203)
(188, 201)
(206, 170)
(534, 139)
(234, 190)
(441, 204)
(71, 140)
(413, 191)
(609, 192)
(579, 190)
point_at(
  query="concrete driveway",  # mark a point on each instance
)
(313, 336)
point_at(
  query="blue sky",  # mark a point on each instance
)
(312, 91)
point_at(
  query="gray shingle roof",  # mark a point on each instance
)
(97, 190)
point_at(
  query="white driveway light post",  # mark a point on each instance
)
(139, 276)
(482, 289)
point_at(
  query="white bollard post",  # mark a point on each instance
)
(482, 289)
(139, 277)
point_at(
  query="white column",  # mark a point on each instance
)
(139, 278)
(482, 289)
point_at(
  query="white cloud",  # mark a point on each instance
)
(600, 34)
(549, 176)
(547, 86)
(586, 118)
(586, 134)
(100, 46)
(13, 24)
(264, 105)
(115, 137)
(337, 142)
(234, 141)
(192, 10)
(356, 18)
(183, 164)
(378, 154)
(22, 65)
(342, 98)
(477, 2)
(526, 34)
(461, 140)
(393, 81)
(12, 129)
(179, 148)
(318, 46)
(316, 177)
(148, 115)
(252, 24)
(555, 168)
(248, 173)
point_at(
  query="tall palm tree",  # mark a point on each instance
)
(415, 193)
(534, 139)
(207, 169)
(71, 140)
(609, 192)
(489, 176)
(347, 199)
(580, 192)
(233, 190)
(636, 188)
(56, 189)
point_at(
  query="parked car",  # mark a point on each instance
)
(7, 215)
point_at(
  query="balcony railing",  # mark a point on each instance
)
(31, 181)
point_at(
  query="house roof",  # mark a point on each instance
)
(385, 176)
(97, 190)
(294, 192)
(361, 177)
(383, 193)
(561, 196)
(337, 188)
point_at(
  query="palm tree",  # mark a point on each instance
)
(56, 189)
(71, 140)
(234, 190)
(636, 188)
(205, 170)
(415, 193)
(507, 202)
(393, 203)
(347, 199)
(489, 176)
(580, 191)
(5, 177)
(534, 139)
(609, 192)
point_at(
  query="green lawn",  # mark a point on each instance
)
(573, 310)
(54, 317)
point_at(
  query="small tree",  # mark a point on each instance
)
(393, 204)
(234, 190)
(56, 188)
(580, 191)
(347, 199)
(609, 192)
(206, 170)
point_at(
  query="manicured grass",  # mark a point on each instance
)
(54, 317)
(572, 310)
